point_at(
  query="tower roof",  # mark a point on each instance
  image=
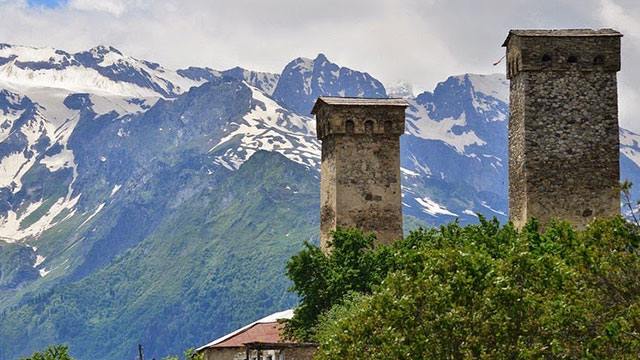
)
(560, 33)
(353, 101)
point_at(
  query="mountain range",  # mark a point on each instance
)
(145, 205)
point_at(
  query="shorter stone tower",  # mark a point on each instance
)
(360, 171)
(563, 127)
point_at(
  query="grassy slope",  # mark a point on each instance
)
(214, 263)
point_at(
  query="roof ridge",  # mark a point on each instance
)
(575, 32)
(281, 315)
(357, 101)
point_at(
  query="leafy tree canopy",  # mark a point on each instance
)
(189, 354)
(54, 352)
(481, 291)
(322, 281)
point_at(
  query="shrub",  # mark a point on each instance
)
(490, 291)
(54, 352)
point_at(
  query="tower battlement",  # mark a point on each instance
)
(358, 116)
(562, 50)
(360, 170)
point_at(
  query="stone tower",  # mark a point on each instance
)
(360, 171)
(563, 128)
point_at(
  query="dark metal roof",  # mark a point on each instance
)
(353, 101)
(561, 33)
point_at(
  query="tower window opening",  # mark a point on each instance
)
(349, 125)
(388, 126)
(546, 58)
(598, 60)
(572, 59)
(368, 126)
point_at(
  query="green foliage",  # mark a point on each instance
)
(213, 263)
(55, 352)
(16, 266)
(625, 191)
(486, 291)
(320, 280)
(190, 354)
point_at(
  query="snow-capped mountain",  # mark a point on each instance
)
(303, 80)
(264, 81)
(132, 191)
(401, 89)
(454, 154)
(101, 70)
(40, 114)
(268, 126)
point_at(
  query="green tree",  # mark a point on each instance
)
(625, 190)
(486, 291)
(189, 354)
(54, 352)
(322, 280)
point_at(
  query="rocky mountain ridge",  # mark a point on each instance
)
(135, 194)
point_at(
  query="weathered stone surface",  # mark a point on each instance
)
(360, 170)
(298, 353)
(563, 127)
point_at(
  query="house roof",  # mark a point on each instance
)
(263, 333)
(265, 330)
(278, 345)
(355, 101)
(561, 33)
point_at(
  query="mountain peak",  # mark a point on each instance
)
(302, 63)
(320, 58)
(401, 89)
(262, 80)
(236, 68)
(102, 50)
(303, 80)
(101, 68)
(494, 85)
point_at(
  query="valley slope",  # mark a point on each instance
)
(144, 205)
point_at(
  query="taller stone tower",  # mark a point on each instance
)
(360, 171)
(563, 128)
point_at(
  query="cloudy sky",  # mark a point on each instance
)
(418, 41)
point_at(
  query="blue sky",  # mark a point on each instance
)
(418, 41)
(46, 3)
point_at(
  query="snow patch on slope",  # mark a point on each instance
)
(419, 124)
(95, 212)
(76, 79)
(630, 145)
(11, 225)
(494, 85)
(51, 68)
(433, 208)
(39, 260)
(268, 127)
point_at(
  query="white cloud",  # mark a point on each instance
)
(613, 12)
(421, 41)
(625, 18)
(114, 7)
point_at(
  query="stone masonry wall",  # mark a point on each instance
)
(517, 175)
(299, 353)
(368, 186)
(328, 191)
(360, 183)
(231, 353)
(563, 129)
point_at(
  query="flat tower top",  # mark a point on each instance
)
(352, 101)
(561, 33)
